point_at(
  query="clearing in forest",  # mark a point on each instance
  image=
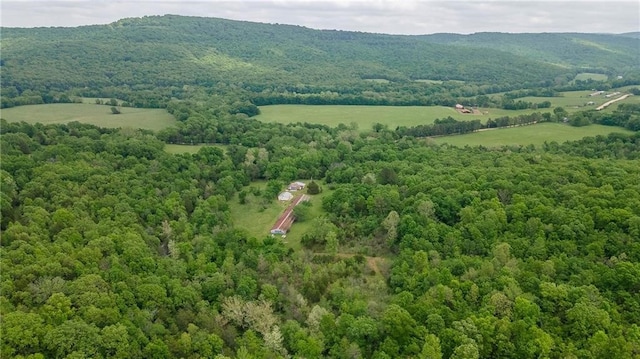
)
(364, 116)
(99, 115)
(528, 135)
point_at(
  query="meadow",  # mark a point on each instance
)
(525, 135)
(191, 149)
(392, 116)
(99, 115)
(364, 116)
(584, 76)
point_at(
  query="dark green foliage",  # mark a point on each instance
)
(301, 211)
(313, 187)
(562, 48)
(114, 248)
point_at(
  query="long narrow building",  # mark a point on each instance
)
(286, 219)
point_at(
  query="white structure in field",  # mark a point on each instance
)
(285, 196)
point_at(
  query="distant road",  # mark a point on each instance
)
(604, 105)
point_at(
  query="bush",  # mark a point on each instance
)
(313, 188)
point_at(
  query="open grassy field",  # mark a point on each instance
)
(381, 81)
(100, 115)
(178, 149)
(257, 218)
(526, 135)
(427, 81)
(367, 116)
(584, 76)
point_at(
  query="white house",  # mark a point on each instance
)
(296, 186)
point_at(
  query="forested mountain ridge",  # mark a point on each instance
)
(595, 51)
(176, 50)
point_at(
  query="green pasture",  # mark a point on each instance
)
(528, 135)
(584, 76)
(191, 149)
(365, 116)
(99, 115)
(427, 81)
(381, 81)
(257, 218)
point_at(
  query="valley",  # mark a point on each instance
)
(466, 199)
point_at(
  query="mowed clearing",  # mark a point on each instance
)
(526, 135)
(392, 116)
(99, 115)
(190, 149)
(257, 218)
(364, 116)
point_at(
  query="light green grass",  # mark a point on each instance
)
(100, 115)
(381, 81)
(528, 135)
(427, 81)
(364, 116)
(584, 76)
(254, 217)
(178, 149)
(92, 100)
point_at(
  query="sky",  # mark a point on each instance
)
(409, 17)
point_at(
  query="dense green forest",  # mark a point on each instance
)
(112, 247)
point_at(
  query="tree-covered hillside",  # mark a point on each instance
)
(176, 51)
(609, 53)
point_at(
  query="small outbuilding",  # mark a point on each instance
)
(285, 196)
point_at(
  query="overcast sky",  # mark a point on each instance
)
(383, 16)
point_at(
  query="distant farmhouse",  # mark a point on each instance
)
(460, 108)
(296, 186)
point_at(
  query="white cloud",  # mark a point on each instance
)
(385, 16)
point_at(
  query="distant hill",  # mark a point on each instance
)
(635, 35)
(565, 49)
(173, 51)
